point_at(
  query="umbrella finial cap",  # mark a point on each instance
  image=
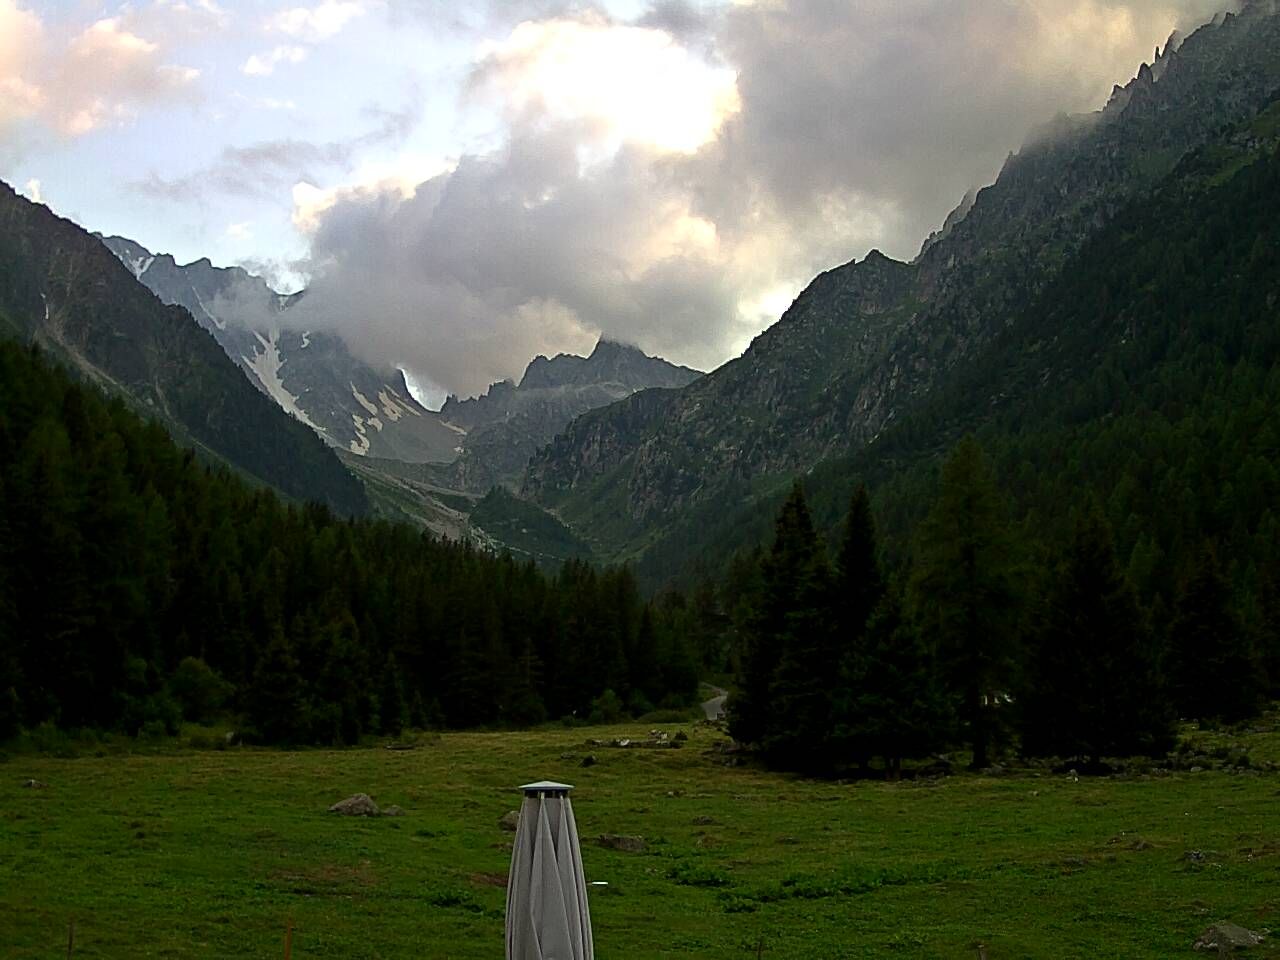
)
(546, 787)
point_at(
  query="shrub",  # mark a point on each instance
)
(607, 708)
(198, 689)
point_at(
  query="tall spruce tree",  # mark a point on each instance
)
(788, 622)
(1269, 626)
(893, 703)
(274, 702)
(859, 579)
(10, 679)
(1213, 671)
(859, 589)
(967, 594)
(1093, 685)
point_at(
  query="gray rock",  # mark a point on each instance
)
(34, 784)
(626, 844)
(1224, 937)
(510, 820)
(393, 811)
(588, 761)
(356, 805)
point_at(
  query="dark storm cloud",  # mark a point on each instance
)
(903, 106)
(507, 257)
(859, 125)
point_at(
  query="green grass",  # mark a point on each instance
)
(207, 854)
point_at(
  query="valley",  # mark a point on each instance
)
(940, 619)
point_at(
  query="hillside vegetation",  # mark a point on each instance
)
(137, 586)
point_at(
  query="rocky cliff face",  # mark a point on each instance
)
(485, 440)
(61, 288)
(312, 376)
(511, 422)
(871, 340)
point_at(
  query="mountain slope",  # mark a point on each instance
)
(1146, 373)
(509, 423)
(60, 287)
(868, 343)
(312, 376)
(487, 440)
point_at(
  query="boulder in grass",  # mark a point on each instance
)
(612, 841)
(357, 805)
(393, 811)
(510, 820)
(1226, 937)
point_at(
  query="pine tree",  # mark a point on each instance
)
(1212, 670)
(748, 706)
(393, 713)
(1094, 688)
(783, 702)
(10, 678)
(966, 593)
(1269, 625)
(859, 581)
(894, 704)
(275, 706)
(859, 589)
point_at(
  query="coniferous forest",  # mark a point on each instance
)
(139, 587)
(982, 641)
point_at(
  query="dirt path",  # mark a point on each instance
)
(714, 708)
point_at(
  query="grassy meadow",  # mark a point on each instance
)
(185, 854)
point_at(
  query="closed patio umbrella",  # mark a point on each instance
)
(547, 916)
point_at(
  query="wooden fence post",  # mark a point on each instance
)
(288, 939)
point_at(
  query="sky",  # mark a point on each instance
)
(463, 186)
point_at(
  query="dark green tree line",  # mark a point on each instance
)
(137, 585)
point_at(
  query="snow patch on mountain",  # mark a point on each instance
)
(364, 401)
(138, 265)
(266, 364)
(394, 406)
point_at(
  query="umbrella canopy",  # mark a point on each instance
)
(547, 916)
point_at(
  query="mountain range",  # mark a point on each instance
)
(672, 477)
(369, 411)
(62, 289)
(877, 367)
(352, 405)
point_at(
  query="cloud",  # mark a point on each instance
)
(510, 255)
(21, 37)
(675, 180)
(264, 64)
(107, 73)
(270, 169)
(32, 191)
(317, 23)
(173, 22)
(102, 75)
(638, 84)
(261, 170)
(899, 108)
